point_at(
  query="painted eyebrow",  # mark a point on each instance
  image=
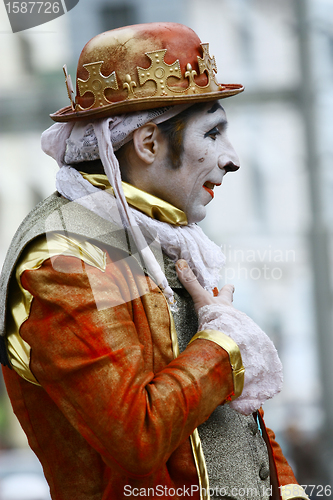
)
(215, 107)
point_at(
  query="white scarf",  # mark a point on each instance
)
(178, 242)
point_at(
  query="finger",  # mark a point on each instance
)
(226, 294)
(186, 276)
(185, 273)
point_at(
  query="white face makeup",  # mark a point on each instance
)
(207, 157)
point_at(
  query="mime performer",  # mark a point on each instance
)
(130, 372)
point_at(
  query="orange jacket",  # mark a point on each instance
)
(115, 411)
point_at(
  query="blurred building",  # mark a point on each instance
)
(266, 215)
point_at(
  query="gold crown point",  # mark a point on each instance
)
(129, 85)
(97, 83)
(159, 71)
(207, 63)
(190, 74)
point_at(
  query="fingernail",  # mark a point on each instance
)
(181, 264)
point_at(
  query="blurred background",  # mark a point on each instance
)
(273, 218)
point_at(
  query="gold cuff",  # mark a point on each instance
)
(235, 357)
(289, 491)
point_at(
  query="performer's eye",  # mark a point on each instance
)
(213, 133)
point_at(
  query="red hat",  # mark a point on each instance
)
(139, 67)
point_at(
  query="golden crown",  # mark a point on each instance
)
(159, 72)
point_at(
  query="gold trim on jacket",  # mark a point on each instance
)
(199, 457)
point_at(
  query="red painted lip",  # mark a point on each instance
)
(210, 191)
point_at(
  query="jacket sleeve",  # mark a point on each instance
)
(91, 350)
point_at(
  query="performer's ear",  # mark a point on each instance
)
(146, 141)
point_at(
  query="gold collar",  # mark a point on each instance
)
(147, 203)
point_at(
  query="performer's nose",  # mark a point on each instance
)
(228, 160)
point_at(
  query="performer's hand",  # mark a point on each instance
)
(200, 296)
(262, 365)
